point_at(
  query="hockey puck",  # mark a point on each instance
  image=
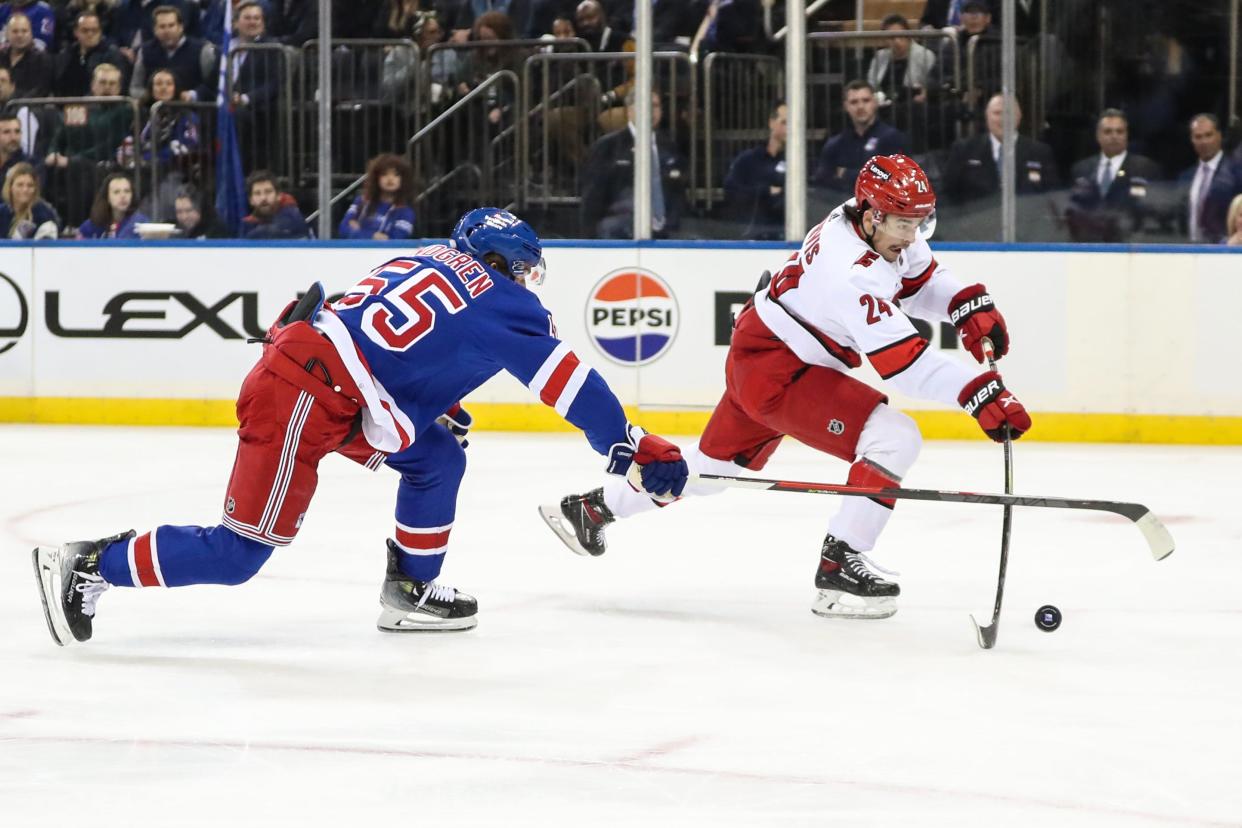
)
(1047, 618)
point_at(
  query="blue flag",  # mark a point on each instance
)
(230, 181)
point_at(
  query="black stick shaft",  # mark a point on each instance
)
(987, 635)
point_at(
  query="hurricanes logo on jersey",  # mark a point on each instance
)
(632, 316)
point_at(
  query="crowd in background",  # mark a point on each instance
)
(146, 74)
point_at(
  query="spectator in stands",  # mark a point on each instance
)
(590, 24)
(195, 217)
(545, 13)
(42, 21)
(1210, 185)
(92, 134)
(385, 209)
(733, 26)
(76, 64)
(191, 58)
(755, 185)
(273, 214)
(1233, 223)
(902, 69)
(866, 135)
(942, 14)
(24, 215)
(563, 28)
(480, 64)
(67, 13)
(608, 181)
(469, 12)
(115, 211)
(976, 25)
(83, 139)
(30, 68)
(973, 169)
(401, 65)
(256, 78)
(11, 153)
(170, 135)
(1108, 200)
(32, 133)
(133, 22)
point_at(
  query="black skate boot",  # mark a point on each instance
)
(421, 606)
(579, 522)
(847, 586)
(70, 585)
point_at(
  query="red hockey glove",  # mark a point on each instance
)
(662, 469)
(975, 316)
(988, 400)
(458, 421)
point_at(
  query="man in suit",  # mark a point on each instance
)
(608, 181)
(1108, 199)
(254, 86)
(1210, 185)
(973, 168)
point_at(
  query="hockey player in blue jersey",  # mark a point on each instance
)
(377, 377)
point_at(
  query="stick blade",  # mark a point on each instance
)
(1158, 538)
(985, 635)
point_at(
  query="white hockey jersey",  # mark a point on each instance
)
(837, 300)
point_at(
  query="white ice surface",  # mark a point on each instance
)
(679, 680)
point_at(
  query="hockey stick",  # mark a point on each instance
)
(1159, 541)
(987, 635)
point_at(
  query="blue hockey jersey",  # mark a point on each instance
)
(423, 331)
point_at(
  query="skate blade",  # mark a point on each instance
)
(48, 578)
(831, 603)
(556, 522)
(396, 621)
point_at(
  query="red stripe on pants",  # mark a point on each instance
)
(143, 562)
(422, 540)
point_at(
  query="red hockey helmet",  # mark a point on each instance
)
(896, 185)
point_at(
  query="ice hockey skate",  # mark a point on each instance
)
(847, 586)
(579, 522)
(70, 585)
(422, 606)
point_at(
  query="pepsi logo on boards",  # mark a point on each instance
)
(632, 316)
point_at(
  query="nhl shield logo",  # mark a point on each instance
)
(229, 506)
(836, 426)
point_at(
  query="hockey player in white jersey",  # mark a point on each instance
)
(844, 295)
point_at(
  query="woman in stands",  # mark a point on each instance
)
(385, 208)
(177, 133)
(114, 213)
(24, 215)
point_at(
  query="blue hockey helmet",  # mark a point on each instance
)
(487, 230)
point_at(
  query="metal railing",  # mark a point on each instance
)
(176, 148)
(929, 118)
(738, 94)
(377, 101)
(442, 148)
(565, 133)
(983, 77)
(265, 125)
